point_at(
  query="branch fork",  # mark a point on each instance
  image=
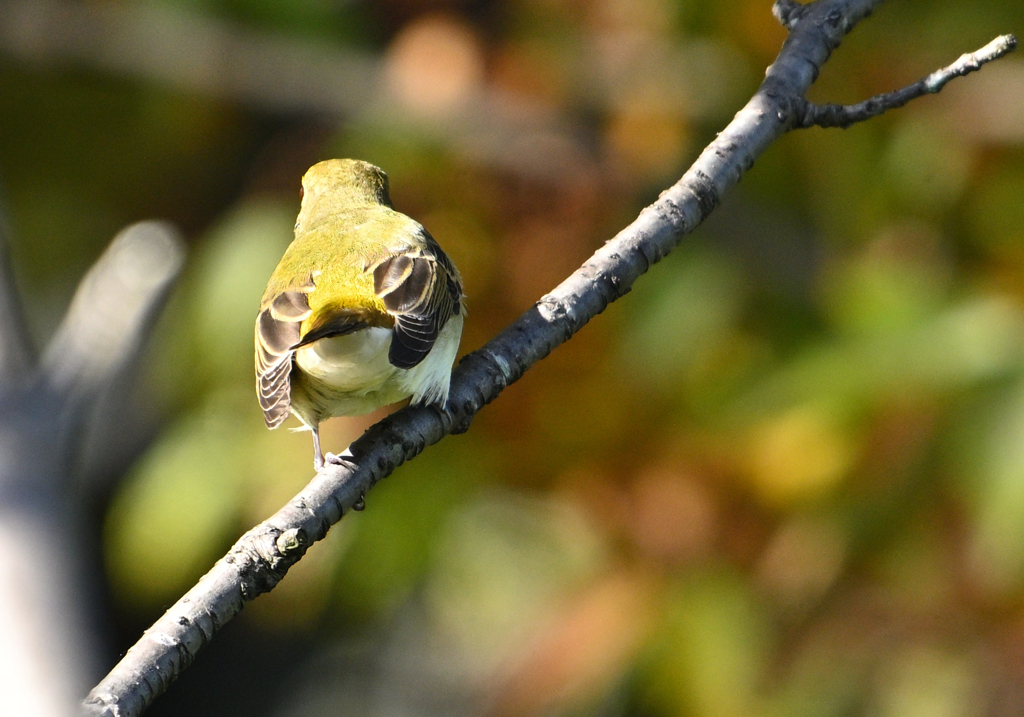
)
(810, 114)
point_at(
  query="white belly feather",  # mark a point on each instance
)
(361, 379)
(356, 362)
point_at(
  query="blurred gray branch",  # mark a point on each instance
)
(16, 351)
(180, 46)
(51, 653)
(259, 560)
(191, 51)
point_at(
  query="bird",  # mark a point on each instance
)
(363, 310)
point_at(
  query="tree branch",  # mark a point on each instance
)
(263, 555)
(831, 115)
(787, 12)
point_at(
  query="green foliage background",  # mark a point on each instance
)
(785, 476)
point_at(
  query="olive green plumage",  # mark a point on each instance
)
(357, 269)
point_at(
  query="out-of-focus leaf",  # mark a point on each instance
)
(709, 657)
(230, 275)
(997, 215)
(927, 682)
(684, 309)
(176, 510)
(978, 340)
(799, 454)
(501, 564)
(993, 464)
(894, 283)
(929, 167)
(396, 538)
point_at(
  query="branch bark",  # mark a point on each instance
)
(831, 115)
(263, 555)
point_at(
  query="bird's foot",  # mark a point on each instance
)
(341, 459)
(347, 460)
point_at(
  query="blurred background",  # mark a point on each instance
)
(784, 476)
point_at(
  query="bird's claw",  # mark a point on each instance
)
(340, 460)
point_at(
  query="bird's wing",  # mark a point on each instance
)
(421, 289)
(279, 335)
(278, 328)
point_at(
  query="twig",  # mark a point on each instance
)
(832, 115)
(263, 555)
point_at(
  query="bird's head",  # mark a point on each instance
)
(344, 182)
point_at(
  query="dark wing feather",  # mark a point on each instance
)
(422, 290)
(278, 327)
(341, 323)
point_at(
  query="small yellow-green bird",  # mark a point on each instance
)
(364, 310)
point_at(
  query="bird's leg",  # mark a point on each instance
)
(320, 459)
(318, 455)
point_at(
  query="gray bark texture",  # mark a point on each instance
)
(262, 556)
